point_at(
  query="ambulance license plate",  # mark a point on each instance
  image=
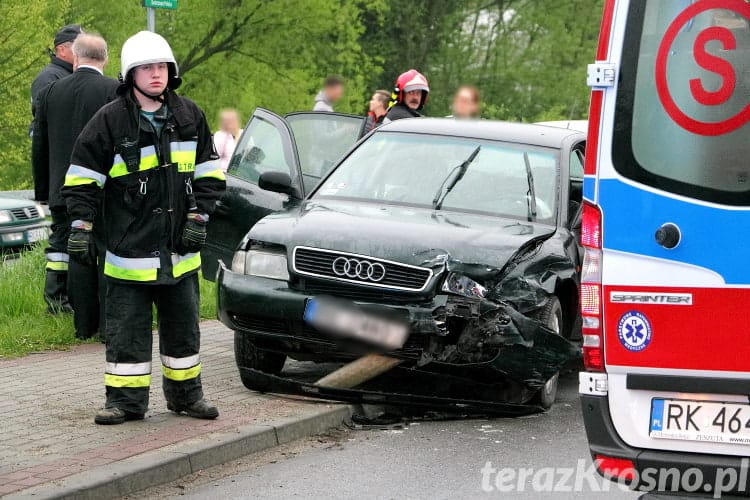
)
(700, 421)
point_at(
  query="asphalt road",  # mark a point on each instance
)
(425, 459)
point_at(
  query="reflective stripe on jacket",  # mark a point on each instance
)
(144, 183)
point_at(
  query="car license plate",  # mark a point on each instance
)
(33, 235)
(346, 320)
(700, 421)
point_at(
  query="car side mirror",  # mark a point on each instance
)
(276, 182)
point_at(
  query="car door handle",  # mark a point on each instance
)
(221, 208)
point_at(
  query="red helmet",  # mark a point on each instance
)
(411, 80)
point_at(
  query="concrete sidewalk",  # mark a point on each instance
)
(50, 447)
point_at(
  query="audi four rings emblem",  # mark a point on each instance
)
(360, 269)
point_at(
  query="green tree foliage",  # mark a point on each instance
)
(410, 35)
(22, 53)
(232, 53)
(249, 53)
(527, 57)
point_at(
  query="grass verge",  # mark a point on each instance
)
(25, 325)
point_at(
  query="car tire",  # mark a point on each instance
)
(247, 355)
(552, 317)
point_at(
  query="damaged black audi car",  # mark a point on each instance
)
(438, 259)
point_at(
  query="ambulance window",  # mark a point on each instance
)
(683, 103)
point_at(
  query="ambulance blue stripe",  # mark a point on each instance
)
(712, 237)
(589, 186)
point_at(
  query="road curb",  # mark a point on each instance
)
(175, 461)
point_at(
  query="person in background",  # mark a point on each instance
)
(64, 107)
(225, 139)
(410, 93)
(60, 64)
(467, 103)
(333, 90)
(378, 109)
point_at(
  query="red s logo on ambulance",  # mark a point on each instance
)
(707, 61)
(715, 64)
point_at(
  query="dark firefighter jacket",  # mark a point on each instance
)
(145, 184)
(63, 109)
(399, 112)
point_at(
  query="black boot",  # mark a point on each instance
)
(56, 292)
(200, 409)
(115, 416)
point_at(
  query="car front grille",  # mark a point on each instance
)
(363, 270)
(260, 324)
(357, 293)
(25, 213)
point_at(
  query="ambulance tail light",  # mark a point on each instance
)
(613, 468)
(591, 288)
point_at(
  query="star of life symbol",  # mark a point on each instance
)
(634, 331)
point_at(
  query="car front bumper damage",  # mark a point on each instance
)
(462, 354)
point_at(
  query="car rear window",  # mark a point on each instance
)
(683, 100)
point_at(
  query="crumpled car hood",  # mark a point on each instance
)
(414, 236)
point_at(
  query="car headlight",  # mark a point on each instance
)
(5, 216)
(264, 263)
(459, 284)
(238, 261)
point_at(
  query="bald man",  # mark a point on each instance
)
(63, 109)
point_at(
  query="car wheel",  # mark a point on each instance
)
(247, 355)
(552, 317)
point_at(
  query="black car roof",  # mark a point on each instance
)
(523, 133)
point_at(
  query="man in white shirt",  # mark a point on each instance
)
(63, 110)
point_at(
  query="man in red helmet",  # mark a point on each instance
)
(411, 95)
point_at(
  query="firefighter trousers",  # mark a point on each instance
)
(56, 282)
(128, 330)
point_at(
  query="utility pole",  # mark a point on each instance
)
(151, 6)
(151, 19)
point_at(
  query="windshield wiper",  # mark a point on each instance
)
(440, 196)
(531, 195)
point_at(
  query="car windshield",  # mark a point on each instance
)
(411, 169)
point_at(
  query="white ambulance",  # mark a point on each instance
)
(665, 292)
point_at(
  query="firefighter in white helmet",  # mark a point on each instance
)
(146, 162)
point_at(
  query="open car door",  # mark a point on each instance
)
(304, 145)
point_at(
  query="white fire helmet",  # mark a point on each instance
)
(146, 47)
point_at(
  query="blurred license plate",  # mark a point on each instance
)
(346, 320)
(33, 235)
(700, 421)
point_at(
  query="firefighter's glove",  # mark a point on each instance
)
(194, 234)
(81, 246)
